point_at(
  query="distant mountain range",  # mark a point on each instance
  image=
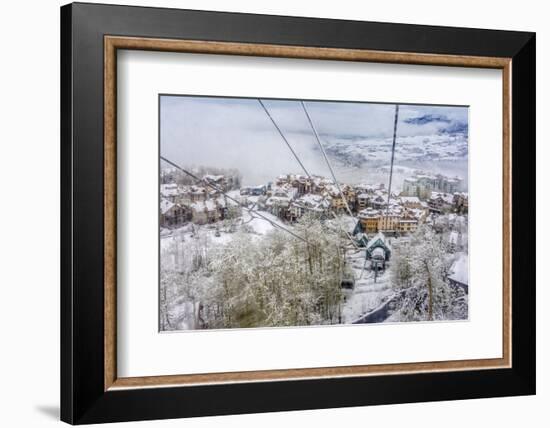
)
(358, 151)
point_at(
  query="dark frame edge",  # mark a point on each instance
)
(84, 401)
(524, 221)
(66, 131)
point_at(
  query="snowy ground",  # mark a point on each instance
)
(259, 225)
(368, 159)
(368, 292)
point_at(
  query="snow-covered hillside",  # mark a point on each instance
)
(358, 159)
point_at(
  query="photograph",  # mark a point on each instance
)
(292, 213)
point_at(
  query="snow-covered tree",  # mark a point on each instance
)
(280, 280)
(419, 273)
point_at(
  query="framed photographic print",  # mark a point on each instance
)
(266, 213)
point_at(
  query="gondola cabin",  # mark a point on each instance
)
(378, 252)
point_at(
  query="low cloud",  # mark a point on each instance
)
(236, 132)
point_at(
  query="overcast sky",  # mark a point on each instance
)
(236, 133)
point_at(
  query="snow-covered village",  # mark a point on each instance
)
(387, 243)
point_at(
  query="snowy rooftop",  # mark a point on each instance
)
(209, 205)
(379, 236)
(463, 194)
(311, 200)
(170, 189)
(165, 205)
(410, 199)
(198, 190)
(447, 197)
(332, 189)
(368, 213)
(169, 186)
(369, 187)
(416, 212)
(278, 200)
(210, 177)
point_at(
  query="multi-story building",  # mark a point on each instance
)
(422, 185)
(228, 208)
(407, 223)
(196, 194)
(350, 195)
(397, 219)
(362, 201)
(369, 189)
(378, 202)
(172, 214)
(410, 201)
(369, 219)
(301, 183)
(389, 222)
(440, 202)
(278, 203)
(205, 212)
(448, 184)
(170, 191)
(309, 203)
(340, 200)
